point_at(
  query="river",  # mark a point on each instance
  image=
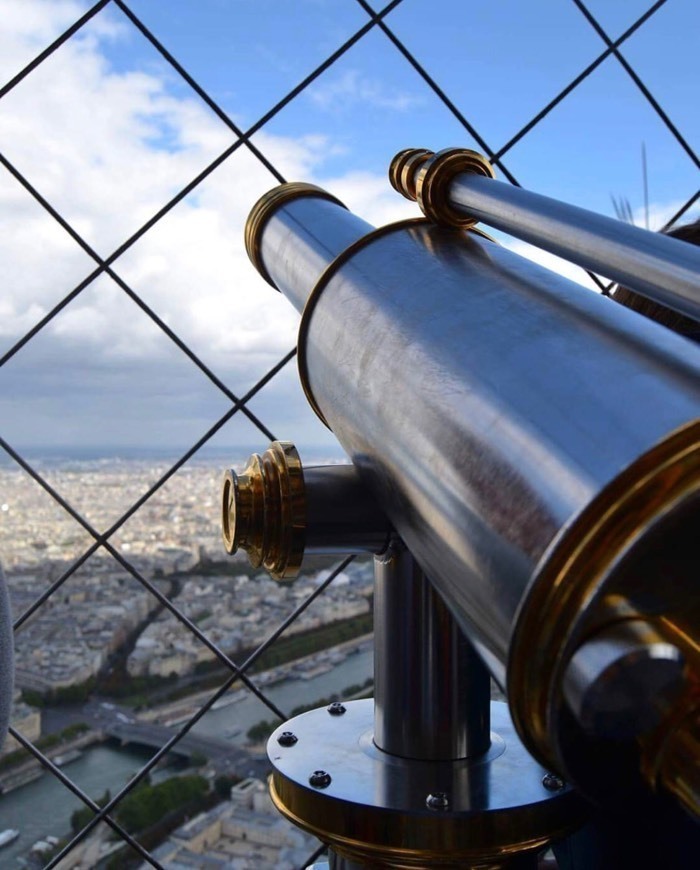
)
(44, 807)
(234, 720)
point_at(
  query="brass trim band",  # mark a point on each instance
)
(403, 169)
(469, 854)
(425, 177)
(264, 510)
(577, 568)
(264, 209)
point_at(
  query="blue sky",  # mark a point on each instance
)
(500, 63)
(108, 132)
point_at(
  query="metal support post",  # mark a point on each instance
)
(431, 690)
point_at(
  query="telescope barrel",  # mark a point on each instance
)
(657, 266)
(535, 445)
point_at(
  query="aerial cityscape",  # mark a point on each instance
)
(102, 631)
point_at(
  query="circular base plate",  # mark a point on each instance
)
(376, 806)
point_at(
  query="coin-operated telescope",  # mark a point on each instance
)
(526, 466)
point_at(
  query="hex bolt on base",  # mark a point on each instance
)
(552, 782)
(437, 801)
(320, 779)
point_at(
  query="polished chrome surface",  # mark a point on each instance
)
(374, 810)
(662, 268)
(431, 690)
(623, 680)
(267, 206)
(342, 514)
(475, 392)
(456, 187)
(299, 240)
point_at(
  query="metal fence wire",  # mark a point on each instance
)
(378, 21)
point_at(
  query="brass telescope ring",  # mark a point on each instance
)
(266, 207)
(425, 176)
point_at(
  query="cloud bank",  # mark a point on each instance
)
(108, 148)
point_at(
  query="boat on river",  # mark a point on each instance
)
(43, 847)
(8, 836)
(66, 757)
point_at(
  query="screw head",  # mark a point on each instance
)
(336, 708)
(437, 801)
(287, 738)
(320, 779)
(552, 782)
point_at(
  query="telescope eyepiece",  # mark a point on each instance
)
(263, 510)
(426, 176)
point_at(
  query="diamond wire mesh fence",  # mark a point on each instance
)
(402, 47)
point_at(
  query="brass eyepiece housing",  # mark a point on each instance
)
(263, 510)
(425, 176)
(263, 210)
(402, 170)
(679, 772)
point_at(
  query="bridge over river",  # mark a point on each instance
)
(221, 752)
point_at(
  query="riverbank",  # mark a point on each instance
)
(305, 668)
(28, 768)
(43, 807)
(175, 713)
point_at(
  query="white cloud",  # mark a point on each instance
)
(108, 148)
(91, 141)
(28, 26)
(372, 197)
(351, 87)
(661, 213)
